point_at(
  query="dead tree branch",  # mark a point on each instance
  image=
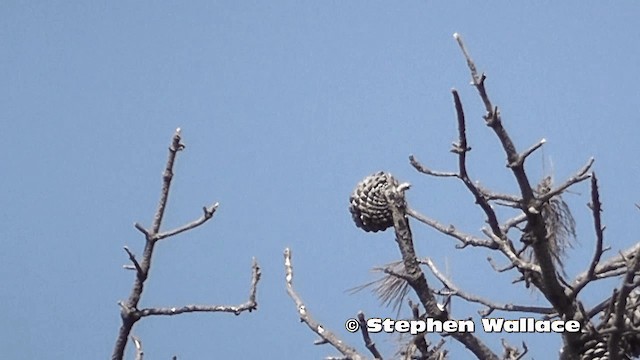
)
(129, 311)
(416, 278)
(325, 334)
(138, 344)
(596, 209)
(207, 214)
(549, 282)
(452, 289)
(371, 346)
(546, 226)
(612, 267)
(249, 305)
(450, 230)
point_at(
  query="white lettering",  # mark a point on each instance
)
(374, 325)
(492, 325)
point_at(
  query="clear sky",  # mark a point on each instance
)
(284, 106)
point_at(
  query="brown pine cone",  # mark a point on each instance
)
(368, 204)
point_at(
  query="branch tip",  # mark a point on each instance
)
(141, 229)
(305, 317)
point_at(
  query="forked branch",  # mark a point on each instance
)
(129, 310)
(454, 290)
(416, 278)
(549, 282)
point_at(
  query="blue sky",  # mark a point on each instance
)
(284, 107)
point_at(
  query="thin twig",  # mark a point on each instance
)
(367, 338)
(142, 230)
(614, 266)
(533, 148)
(425, 170)
(248, 305)
(508, 251)
(419, 340)
(450, 230)
(463, 148)
(491, 306)
(512, 352)
(596, 209)
(514, 222)
(207, 214)
(138, 345)
(581, 175)
(132, 257)
(492, 196)
(325, 334)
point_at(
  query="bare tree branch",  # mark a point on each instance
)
(512, 352)
(461, 149)
(249, 305)
(547, 228)
(132, 257)
(508, 200)
(450, 230)
(491, 306)
(548, 282)
(596, 209)
(533, 148)
(138, 345)
(498, 236)
(417, 279)
(612, 267)
(367, 338)
(129, 311)
(128, 308)
(423, 169)
(581, 175)
(208, 214)
(514, 222)
(419, 341)
(325, 334)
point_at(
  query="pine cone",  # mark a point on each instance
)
(595, 350)
(368, 204)
(632, 321)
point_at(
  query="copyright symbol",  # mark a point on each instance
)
(352, 325)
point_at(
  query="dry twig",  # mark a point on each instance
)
(454, 290)
(325, 334)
